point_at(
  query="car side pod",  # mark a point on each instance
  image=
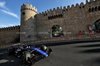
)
(40, 51)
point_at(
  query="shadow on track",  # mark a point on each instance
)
(91, 51)
(6, 60)
(97, 60)
(65, 42)
(95, 45)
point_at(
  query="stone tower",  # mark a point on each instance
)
(28, 23)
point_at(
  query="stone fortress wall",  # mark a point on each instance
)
(9, 35)
(72, 19)
(39, 26)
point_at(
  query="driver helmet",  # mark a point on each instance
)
(43, 47)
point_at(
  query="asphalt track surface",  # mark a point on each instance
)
(74, 54)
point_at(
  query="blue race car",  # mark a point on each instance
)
(30, 54)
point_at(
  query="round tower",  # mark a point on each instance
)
(27, 12)
(28, 23)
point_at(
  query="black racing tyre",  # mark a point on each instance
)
(49, 51)
(26, 57)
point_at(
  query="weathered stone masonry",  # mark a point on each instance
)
(72, 19)
(9, 35)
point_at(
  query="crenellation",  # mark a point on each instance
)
(61, 7)
(28, 7)
(23, 6)
(31, 5)
(50, 10)
(87, 2)
(27, 4)
(42, 12)
(68, 7)
(39, 13)
(81, 4)
(10, 28)
(58, 8)
(64, 7)
(72, 6)
(91, 0)
(46, 12)
(77, 5)
(54, 9)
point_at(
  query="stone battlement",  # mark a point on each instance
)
(28, 7)
(91, 1)
(60, 10)
(10, 28)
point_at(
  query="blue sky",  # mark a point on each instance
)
(10, 9)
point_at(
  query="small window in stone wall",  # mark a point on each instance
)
(45, 14)
(92, 9)
(23, 13)
(83, 6)
(66, 9)
(99, 8)
(89, 9)
(55, 16)
(95, 8)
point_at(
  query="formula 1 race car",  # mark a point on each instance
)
(30, 54)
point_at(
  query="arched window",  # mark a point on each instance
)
(99, 8)
(57, 31)
(89, 9)
(95, 8)
(92, 9)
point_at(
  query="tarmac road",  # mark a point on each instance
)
(78, 54)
